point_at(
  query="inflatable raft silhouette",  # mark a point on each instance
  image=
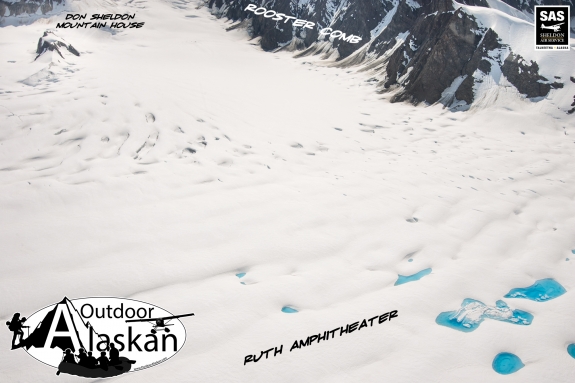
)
(96, 372)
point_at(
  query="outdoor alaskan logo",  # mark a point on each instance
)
(552, 27)
(99, 337)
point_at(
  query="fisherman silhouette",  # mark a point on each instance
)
(16, 326)
(103, 362)
(114, 355)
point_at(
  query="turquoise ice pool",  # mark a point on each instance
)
(473, 312)
(541, 291)
(401, 279)
(571, 350)
(506, 363)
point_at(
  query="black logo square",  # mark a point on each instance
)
(552, 27)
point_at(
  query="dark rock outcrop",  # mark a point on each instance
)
(358, 18)
(439, 60)
(50, 42)
(525, 77)
(480, 62)
(28, 7)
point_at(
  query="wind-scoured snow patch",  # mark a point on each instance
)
(412, 45)
(403, 78)
(40, 76)
(293, 45)
(384, 23)
(413, 4)
(448, 96)
(505, 8)
(494, 89)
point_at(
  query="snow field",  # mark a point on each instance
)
(321, 220)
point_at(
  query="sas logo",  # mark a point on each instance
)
(99, 337)
(552, 27)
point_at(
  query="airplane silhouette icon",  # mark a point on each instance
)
(554, 27)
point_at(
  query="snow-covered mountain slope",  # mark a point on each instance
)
(165, 160)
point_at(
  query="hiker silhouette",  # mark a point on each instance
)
(16, 326)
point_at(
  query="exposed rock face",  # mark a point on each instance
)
(358, 18)
(403, 18)
(352, 17)
(449, 50)
(478, 62)
(438, 60)
(27, 7)
(526, 77)
(422, 50)
(50, 42)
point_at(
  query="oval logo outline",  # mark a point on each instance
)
(179, 336)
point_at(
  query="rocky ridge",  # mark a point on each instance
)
(424, 51)
(28, 7)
